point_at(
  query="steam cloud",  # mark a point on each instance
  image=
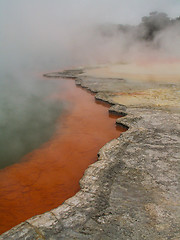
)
(46, 35)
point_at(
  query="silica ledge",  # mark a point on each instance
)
(132, 191)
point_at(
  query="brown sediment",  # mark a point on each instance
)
(49, 175)
(141, 72)
(129, 93)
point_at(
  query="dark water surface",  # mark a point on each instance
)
(28, 114)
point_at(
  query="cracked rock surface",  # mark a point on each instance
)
(131, 192)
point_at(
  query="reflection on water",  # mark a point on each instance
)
(49, 175)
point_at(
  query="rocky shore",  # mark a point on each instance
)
(133, 190)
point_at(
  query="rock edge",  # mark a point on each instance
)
(134, 159)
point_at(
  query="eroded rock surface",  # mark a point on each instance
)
(131, 192)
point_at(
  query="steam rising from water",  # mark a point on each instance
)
(27, 116)
(47, 35)
(42, 36)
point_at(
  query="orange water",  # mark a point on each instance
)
(46, 177)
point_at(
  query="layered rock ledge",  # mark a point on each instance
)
(133, 190)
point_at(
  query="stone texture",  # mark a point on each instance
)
(131, 192)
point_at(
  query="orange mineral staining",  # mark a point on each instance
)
(46, 177)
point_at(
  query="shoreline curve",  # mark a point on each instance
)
(140, 160)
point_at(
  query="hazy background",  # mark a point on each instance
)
(39, 36)
(48, 34)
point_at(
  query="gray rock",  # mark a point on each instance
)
(131, 192)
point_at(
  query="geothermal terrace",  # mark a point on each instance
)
(132, 191)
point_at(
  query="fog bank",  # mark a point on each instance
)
(47, 35)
